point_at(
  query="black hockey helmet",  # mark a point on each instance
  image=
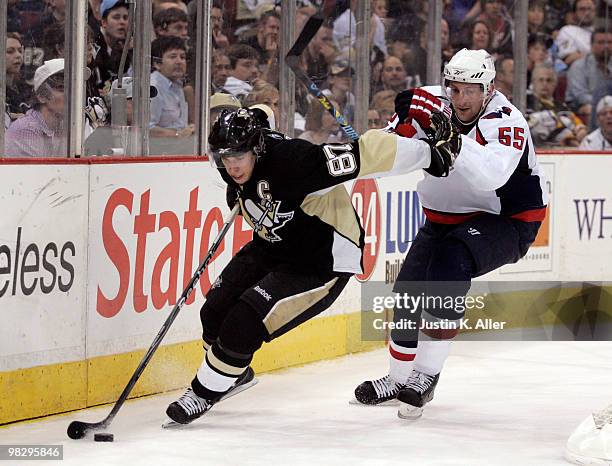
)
(236, 132)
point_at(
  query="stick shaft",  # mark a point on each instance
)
(170, 319)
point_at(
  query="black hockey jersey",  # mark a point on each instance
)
(298, 207)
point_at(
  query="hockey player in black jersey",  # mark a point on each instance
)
(307, 239)
(485, 214)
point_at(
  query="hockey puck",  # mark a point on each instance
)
(104, 437)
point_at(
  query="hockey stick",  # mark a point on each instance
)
(293, 56)
(78, 429)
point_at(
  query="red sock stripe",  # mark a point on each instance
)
(441, 334)
(401, 356)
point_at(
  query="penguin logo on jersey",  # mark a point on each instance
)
(265, 218)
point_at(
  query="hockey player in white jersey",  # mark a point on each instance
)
(485, 214)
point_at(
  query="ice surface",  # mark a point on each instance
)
(497, 403)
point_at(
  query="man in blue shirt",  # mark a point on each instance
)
(169, 107)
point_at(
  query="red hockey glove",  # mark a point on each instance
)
(422, 105)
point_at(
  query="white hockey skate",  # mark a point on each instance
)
(379, 392)
(189, 406)
(418, 392)
(591, 442)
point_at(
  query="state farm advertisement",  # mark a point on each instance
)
(150, 227)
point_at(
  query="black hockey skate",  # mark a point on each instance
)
(381, 391)
(419, 391)
(190, 406)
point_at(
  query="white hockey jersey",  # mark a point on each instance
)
(496, 171)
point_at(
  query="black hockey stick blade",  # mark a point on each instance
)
(293, 61)
(313, 89)
(78, 429)
(310, 29)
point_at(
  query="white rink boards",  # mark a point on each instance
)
(93, 255)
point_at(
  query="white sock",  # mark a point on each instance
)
(430, 356)
(400, 369)
(212, 380)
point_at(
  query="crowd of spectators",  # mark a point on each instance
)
(568, 58)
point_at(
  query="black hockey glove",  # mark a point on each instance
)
(445, 143)
(231, 196)
(402, 104)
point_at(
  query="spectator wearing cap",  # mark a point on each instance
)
(585, 74)
(339, 85)
(551, 123)
(171, 22)
(110, 43)
(169, 116)
(40, 132)
(244, 71)
(220, 102)
(601, 138)
(574, 40)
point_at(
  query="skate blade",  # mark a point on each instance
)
(584, 460)
(170, 424)
(355, 402)
(239, 389)
(409, 412)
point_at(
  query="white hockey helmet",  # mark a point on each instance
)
(471, 66)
